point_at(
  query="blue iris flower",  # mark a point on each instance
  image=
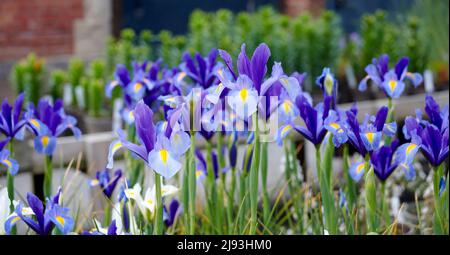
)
(5, 159)
(12, 122)
(48, 122)
(391, 81)
(161, 152)
(41, 218)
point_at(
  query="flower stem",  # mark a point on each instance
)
(385, 205)
(221, 214)
(132, 168)
(351, 186)
(185, 189)
(10, 186)
(10, 179)
(254, 174)
(439, 225)
(211, 189)
(291, 181)
(192, 185)
(371, 197)
(266, 200)
(389, 119)
(230, 205)
(159, 207)
(326, 187)
(48, 175)
(107, 215)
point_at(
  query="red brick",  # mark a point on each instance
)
(295, 7)
(43, 26)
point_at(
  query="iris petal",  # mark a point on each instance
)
(356, 170)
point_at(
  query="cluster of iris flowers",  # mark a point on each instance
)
(184, 125)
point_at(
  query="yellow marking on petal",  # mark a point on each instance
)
(359, 168)
(176, 138)
(27, 211)
(7, 163)
(150, 202)
(137, 87)
(370, 137)
(131, 115)
(329, 84)
(198, 173)
(94, 182)
(60, 220)
(284, 81)
(219, 87)
(286, 129)
(35, 123)
(45, 140)
(164, 154)
(286, 106)
(117, 146)
(15, 219)
(181, 76)
(410, 148)
(243, 94)
(220, 72)
(130, 194)
(335, 125)
(392, 84)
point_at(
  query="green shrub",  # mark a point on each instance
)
(58, 78)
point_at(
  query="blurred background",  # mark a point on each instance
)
(305, 35)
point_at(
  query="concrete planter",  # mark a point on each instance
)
(97, 124)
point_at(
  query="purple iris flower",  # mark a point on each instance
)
(166, 82)
(255, 68)
(382, 161)
(329, 85)
(5, 159)
(434, 144)
(12, 122)
(314, 118)
(204, 113)
(437, 117)
(367, 136)
(161, 152)
(148, 86)
(45, 217)
(335, 124)
(132, 86)
(106, 182)
(248, 84)
(391, 81)
(431, 136)
(201, 69)
(171, 213)
(48, 122)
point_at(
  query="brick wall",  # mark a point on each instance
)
(295, 7)
(42, 26)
